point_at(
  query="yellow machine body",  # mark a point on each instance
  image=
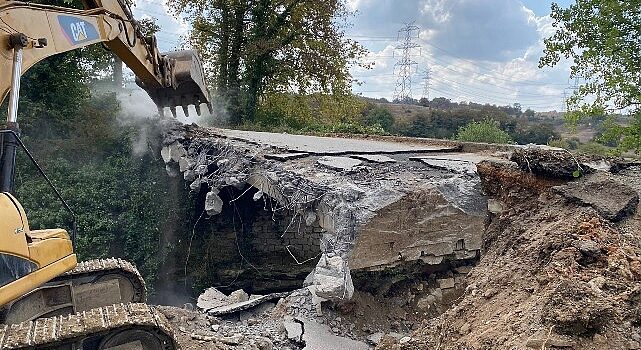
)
(28, 258)
(34, 284)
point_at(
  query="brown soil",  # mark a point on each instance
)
(554, 274)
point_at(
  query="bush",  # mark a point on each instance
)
(488, 131)
(597, 148)
(539, 134)
(569, 144)
(380, 116)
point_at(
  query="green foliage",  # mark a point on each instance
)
(253, 48)
(379, 116)
(568, 144)
(488, 131)
(626, 137)
(77, 139)
(307, 112)
(598, 37)
(539, 134)
(116, 201)
(149, 26)
(596, 148)
(445, 123)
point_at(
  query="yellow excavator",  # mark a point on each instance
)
(48, 300)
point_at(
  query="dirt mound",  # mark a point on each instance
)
(561, 265)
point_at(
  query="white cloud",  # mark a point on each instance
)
(484, 51)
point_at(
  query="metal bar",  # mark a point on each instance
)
(8, 159)
(12, 117)
(9, 140)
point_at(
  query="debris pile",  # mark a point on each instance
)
(350, 207)
(561, 263)
(408, 246)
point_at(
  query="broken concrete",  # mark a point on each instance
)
(612, 199)
(383, 216)
(212, 298)
(339, 163)
(331, 277)
(374, 158)
(244, 305)
(213, 203)
(283, 157)
(390, 251)
(294, 329)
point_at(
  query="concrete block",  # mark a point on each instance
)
(446, 283)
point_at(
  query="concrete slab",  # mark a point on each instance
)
(374, 158)
(470, 157)
(283, 157)
(463, 163)
(319, 337)
(330, 145)
(339, 163)
(245, 305)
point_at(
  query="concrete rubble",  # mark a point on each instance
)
(357, 243)
(388, 230)
(374, 216)
(339, 163)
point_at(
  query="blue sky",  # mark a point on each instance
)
(484, 51)
(542, 7)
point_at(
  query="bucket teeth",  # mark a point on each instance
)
(187, 84)
(198, 110)
(210, 107)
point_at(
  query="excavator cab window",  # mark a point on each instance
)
(13, 268)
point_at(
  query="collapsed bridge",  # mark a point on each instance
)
(279, 211)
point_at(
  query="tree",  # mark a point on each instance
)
(517, 109)
(539, 133)
(376, 115)
(254, 47)
(487, 130)
(529, 113)
(601, 39)
(441, 103)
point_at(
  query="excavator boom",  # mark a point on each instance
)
(40, 31)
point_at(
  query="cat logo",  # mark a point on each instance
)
(77, 30)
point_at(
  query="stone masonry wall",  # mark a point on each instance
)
(249, 246)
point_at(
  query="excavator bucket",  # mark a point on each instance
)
(186, 74)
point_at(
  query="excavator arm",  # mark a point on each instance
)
(31, 32)
(39, 31)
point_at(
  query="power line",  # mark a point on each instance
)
(426, 83)
(474, 63)
(405, 64)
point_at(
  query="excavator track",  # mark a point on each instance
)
(92, 284)
(100, 268)
(111, 327)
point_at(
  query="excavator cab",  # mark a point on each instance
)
(28, 258)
